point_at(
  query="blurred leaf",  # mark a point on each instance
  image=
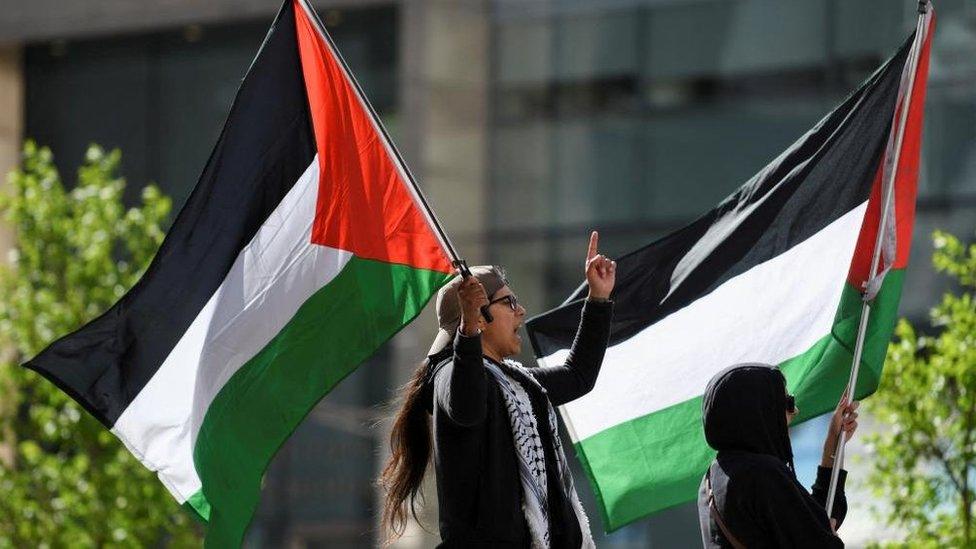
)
(924, 459)
(65, 480)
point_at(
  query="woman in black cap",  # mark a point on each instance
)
(502, 475)
(750, 496)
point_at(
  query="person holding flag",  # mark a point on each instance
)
(750, 496)
(503, 479)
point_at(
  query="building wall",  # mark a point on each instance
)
(11, 121)
(58, 20)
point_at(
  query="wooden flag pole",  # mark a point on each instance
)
(920, 28)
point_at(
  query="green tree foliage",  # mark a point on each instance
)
(65, 481)
(924, 456)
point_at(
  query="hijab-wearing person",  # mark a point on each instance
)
(750, 496)
(502, 475)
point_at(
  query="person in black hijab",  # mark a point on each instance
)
(750, 496)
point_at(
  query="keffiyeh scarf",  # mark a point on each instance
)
(531, 457)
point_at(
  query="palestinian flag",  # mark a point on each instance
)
(776, 273)
(302, 249)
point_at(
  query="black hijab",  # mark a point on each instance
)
(744, 410)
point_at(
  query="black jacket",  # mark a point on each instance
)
(753, 482)
(478, 487)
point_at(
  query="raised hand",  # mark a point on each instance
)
(601, 272)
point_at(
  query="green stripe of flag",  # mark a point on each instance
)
(198, 506)
(656, 461)
(333, 332)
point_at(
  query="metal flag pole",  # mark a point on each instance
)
(460, 264)
(920, 28)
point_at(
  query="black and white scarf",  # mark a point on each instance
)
(531, 456)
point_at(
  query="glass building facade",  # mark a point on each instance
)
(628, 116)
(636, 117)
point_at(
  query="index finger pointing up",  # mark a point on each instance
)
(591, 252)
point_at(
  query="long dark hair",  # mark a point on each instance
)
(410, 449)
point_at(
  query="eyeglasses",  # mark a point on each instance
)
(510, 299)
(791, 404)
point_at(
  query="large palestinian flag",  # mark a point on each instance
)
(773, 274)
(302, 249)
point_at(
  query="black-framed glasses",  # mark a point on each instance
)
(509, 299)
(791, 404)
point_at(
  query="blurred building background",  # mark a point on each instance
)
(528, 122)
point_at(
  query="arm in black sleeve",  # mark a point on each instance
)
(787, 516)
(822, 486)
(578, 375)
(460, 387)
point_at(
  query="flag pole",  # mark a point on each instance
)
(920, 28)
(412, 185)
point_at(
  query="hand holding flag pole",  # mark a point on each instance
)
(873, 282)
(462, 267)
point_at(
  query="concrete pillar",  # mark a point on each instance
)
(455, 158)
(11, 134)
(11, 121)
(444, 84)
